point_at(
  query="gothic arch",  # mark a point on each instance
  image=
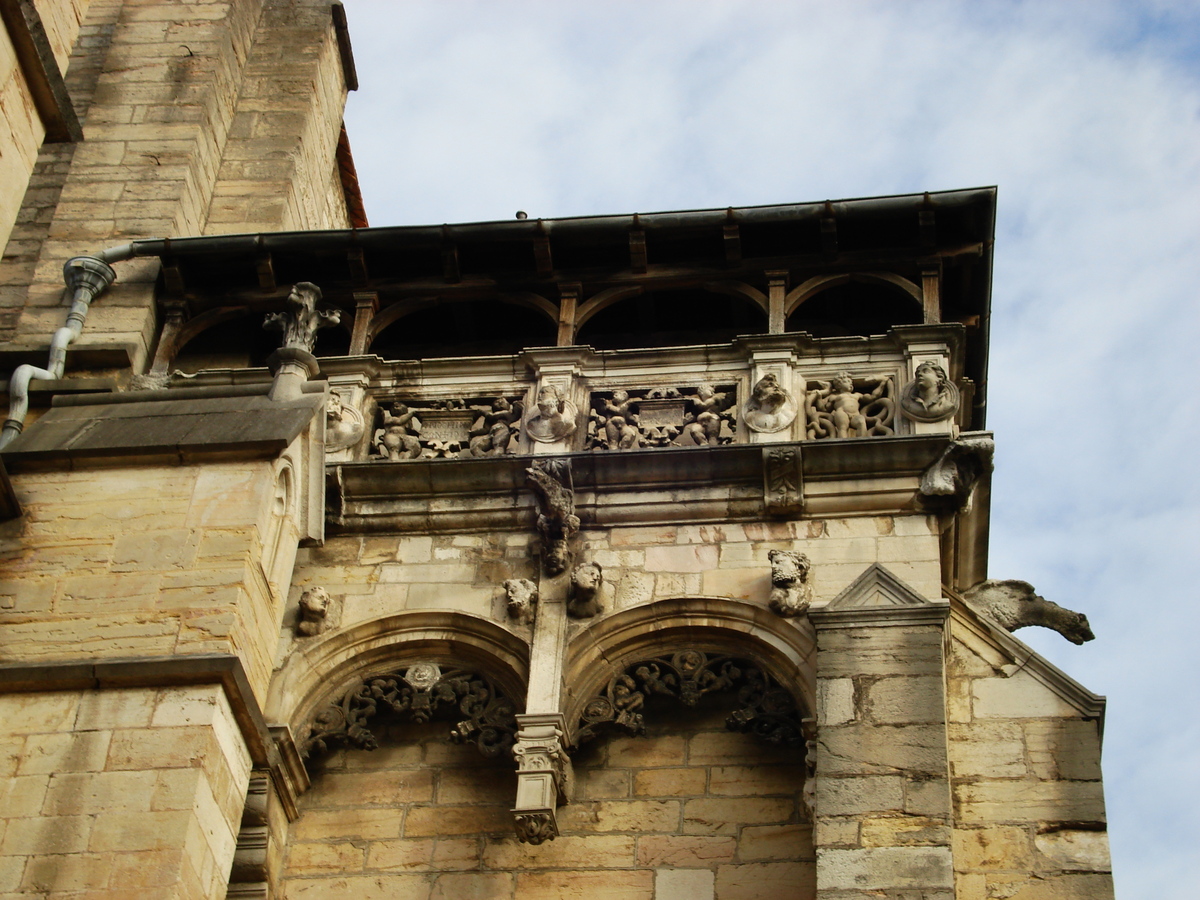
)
(323, 668)
(784, 649)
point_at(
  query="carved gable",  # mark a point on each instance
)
(877, 587)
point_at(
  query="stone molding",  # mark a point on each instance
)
(734, 482)
(878, 598)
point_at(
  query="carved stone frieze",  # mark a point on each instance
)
(419, 691)
(447, 429)
(552, 484)
(790, 591)
(522, 595)
(771, 407)
(554, 417)
(931, 396)
(584, 601)
(661, 417)
(763, 707)
(846, 407)
(301, 318)
(344, 425)
(314, 608)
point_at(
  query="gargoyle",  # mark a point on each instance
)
(1015, 604)
(557, 522)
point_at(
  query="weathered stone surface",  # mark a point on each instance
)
(884, 868)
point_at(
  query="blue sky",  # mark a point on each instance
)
(1085, 114)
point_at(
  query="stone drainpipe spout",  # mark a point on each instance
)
(87, 277)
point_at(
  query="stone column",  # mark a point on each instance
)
(882, 800)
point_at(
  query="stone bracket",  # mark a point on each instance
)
(783, 480)
(544, 776)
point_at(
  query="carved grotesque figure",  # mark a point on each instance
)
(555, 416)
(771, 408)
(300, 322)
(844, 405)
(522, 594)
(789, 582)
(314, 607)
(395, 440)
(930, 396)
(1014, 604)
(585, 590)
(557, 522)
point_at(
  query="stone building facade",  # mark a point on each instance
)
(626, 556)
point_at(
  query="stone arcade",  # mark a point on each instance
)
(633, 556)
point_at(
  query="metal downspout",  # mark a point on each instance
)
(87, 277)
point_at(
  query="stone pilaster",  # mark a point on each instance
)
(882, 793)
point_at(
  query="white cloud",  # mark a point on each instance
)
(1085, 115)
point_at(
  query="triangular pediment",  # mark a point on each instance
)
(877, 587)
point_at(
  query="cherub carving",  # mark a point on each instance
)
(557, 522)
(930, 396)
(619, 418)
(522, 594)
(493, 433)
(1015, 604)
(555, 417)
(343, 424)
(314, 607)
(702, 425)
(844, 405)
(394, 440)
(771, 407)
(585, 590)
(789, 582)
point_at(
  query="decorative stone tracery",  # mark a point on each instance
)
(419, 691)
(763, 707)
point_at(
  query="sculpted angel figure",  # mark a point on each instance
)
(620, 421)
(703, 422)
(393, 439)
(493, 433)
(844, 404)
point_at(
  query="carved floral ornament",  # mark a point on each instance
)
(764, 708)
(419, 691)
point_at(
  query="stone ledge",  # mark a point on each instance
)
(176, 426)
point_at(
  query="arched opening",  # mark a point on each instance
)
(672, 319)
(855, 307)
(241, 343)
(464, 328)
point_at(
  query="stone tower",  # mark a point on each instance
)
(636, 555)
